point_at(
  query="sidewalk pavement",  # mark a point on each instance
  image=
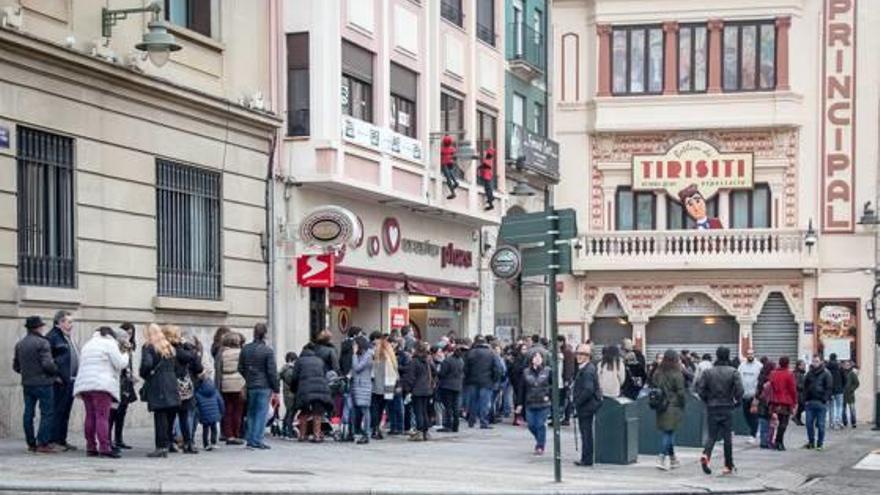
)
(474, 461)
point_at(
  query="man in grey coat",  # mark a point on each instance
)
(721, 389)
(33, 361)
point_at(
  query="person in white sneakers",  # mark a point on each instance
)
(749, 371)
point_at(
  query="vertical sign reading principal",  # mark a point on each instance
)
(838, 116)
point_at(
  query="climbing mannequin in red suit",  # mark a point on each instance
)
(487, 173)
(447, 164)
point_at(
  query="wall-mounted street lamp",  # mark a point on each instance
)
(157, 42)
(810, 237)
(523, 189)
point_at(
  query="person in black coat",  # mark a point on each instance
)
(127, 395)
(481, 371)
(450, 380)
(518, 364)
(160, 386)
(346, 350)
(419, 382)
(187, 367)
(324, 349)
(586, 398)
(66, 356)
(310, 386)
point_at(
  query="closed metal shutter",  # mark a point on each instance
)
(775, 333)
(693, 333)
(608, 331)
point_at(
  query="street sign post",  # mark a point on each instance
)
(552, 229)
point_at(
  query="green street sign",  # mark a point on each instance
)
(534, 227)
(537, 261)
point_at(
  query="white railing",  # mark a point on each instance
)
(726, 248)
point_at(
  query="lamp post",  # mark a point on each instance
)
(550, 244)
(869, 219)
(157, 42)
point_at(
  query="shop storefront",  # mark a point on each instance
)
(404, 268)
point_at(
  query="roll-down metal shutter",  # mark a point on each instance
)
(776, 331)
(694, 333)
(608, 331)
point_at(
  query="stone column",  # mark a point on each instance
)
(783, 24)
(670, 58)
(603, 31)
(716, 27)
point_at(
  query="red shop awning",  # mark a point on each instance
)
(370, 280)
(440, 288)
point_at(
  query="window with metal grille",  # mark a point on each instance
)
(188, 230)
(46, 252)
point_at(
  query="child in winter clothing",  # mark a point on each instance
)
(211, 411)
(286, 375)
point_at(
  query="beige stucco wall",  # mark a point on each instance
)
(121, 121)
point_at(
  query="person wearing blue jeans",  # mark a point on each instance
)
(836, 419)
(33, 361)
(478, 406)
(536, 419)
(481, 372)
(818, 385)
(256, 363)
(815, 421)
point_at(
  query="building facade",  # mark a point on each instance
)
(532, 156)
(719, 159)
(372, 87)
(130, 191)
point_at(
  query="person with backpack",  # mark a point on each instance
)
(667, 400)
(587, 399)
(783, 398)
(721, 389)
(850, 384)
(818, 387)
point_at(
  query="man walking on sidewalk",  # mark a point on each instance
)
(33, 361)
(481, 371)
(587, 398)
(749, 371)
(818, 386)
(66, 356)
(721, 389)
(257, 365)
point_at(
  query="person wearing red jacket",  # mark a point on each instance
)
(447, 164)
(487, 173)
(784, 397)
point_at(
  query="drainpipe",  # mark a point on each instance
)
(274, 76)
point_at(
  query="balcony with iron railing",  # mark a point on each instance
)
(526, 51)
(696, 249)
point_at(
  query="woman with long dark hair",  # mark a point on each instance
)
(764, 413)
(419, 381)
(612, 372)
(669, 379)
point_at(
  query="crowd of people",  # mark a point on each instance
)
(386, 384)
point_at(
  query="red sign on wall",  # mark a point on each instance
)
(316, 270)
(344, 296)
(399, 317)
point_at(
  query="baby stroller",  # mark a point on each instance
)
(339, 387)
(330, 425)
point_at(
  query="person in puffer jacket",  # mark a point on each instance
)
(100, 363)
(211, 411)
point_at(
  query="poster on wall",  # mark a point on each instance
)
(399, 318)
(837, 328)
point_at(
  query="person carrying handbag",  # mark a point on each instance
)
(127, 394)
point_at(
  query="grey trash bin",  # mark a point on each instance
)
(617, 431)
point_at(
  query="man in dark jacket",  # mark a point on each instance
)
(33, 361)
(586, 399)
(257, 365)
(721, 389)
(324, 349)
(449, 387)
(309, 382)
(480, 373)
(346, 350)
(837, 384)
(66, 356)
(818, 387)
(569, 368)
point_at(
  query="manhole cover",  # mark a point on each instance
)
(288, 472)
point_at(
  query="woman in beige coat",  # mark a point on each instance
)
(231, 385)
(612, 372)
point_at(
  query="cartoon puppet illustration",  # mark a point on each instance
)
(695, 204)
(447, 164)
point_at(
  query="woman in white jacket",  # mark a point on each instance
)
(97, 384)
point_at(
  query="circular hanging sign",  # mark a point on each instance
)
(391, 235)
(329, 226)
(506, 262)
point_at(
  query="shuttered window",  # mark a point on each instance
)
(357, 82)
(404, 91)
(45, 209)
(695, 333)
(188, 224)
(775, 333)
